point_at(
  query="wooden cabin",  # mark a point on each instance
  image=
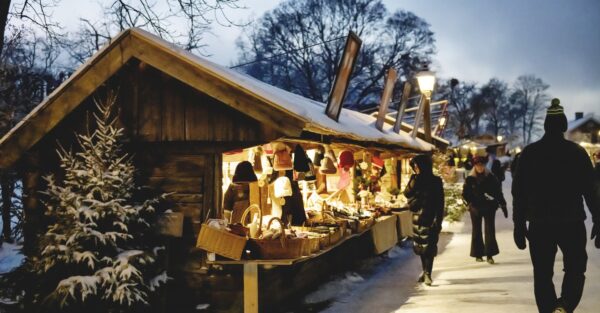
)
(180, 113)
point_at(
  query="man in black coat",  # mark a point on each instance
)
(552, 176)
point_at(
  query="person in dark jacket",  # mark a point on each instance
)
(514, 164)
(552, 177)
(483, 194)
(498, 170)
(237, 195)
(425, 193)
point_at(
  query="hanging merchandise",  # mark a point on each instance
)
(244, 173)
(327, 166)
(255, 157)
(282, 187)
(311, 174)
(300, 160)
(319, 155)
(345, 180)
(267, 149)
(346, 160)
(377, 162)
(303, 166)
(282, 160)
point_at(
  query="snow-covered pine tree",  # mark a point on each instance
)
(99, 253)
(455, 207)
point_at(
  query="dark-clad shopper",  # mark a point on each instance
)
(552, 177)
(483, 193)
(425, 193)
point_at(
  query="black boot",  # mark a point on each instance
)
(421, 278)
(427, 279)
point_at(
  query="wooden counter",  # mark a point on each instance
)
(382, 232)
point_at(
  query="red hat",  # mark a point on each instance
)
(346, 159)
(480, 160)
(377, 162)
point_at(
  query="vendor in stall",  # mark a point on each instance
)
(237, 196)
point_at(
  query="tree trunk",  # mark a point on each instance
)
(4, 7)
(7, 186)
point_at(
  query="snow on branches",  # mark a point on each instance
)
(99, 248)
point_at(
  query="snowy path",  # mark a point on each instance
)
(462, 285)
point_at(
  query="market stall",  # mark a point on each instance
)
(190, 124)
(288, 202)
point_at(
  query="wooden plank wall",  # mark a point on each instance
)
(160, 108)
(183, 174)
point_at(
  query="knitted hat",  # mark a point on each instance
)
(327, 166)
(244, 173)
(318, 158)
(319, 154)
(480, 160)
(282, 187)
(346, 159)
(300, 160)
(556, 121)
(282, 160)
(377, 161)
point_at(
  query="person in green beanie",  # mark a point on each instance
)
(552, 178)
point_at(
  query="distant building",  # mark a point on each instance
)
(585, 130)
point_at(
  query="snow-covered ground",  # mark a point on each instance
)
(460, 284)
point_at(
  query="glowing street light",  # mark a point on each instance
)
(426, 80)
(499, 138)
(442, 121)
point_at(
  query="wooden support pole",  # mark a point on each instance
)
(427, 118)
(250, 287)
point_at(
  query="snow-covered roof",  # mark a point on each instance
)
(574, 124)
(266, 103)
(358, 125)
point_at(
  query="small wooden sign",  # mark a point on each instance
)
(342, 78)
(388, 88)
(402, 107)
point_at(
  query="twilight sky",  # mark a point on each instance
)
(557, 40)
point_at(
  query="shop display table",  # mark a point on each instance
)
(404, 223)
(251, 279)
(385, 235)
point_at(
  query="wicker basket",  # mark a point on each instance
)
(221, 242)
(256, 209)
(312, 243)
(335, 236)
(365, 224)
(282, 248)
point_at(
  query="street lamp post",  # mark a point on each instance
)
(426, 80)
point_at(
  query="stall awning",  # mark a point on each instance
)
(291, 114)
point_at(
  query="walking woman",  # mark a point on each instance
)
(425, 194)
(483, 193)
